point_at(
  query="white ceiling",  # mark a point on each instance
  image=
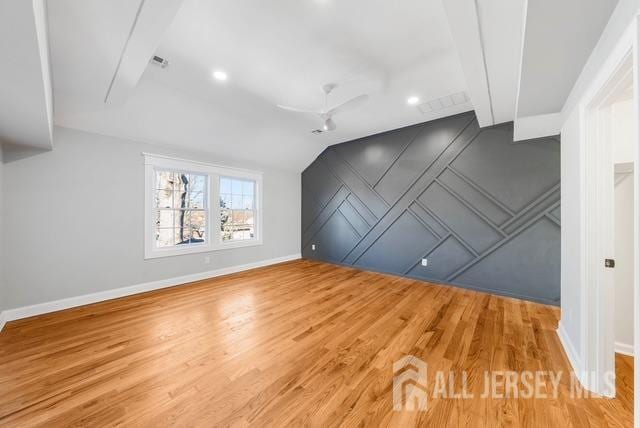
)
(516, 60)
(275, 52)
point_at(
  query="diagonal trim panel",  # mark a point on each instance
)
(483, 211)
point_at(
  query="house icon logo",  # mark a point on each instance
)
(410, 384)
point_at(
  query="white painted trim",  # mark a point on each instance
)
(624, 349)
(572, 354)
(3, 320)
(543, 125)
(463, 19)
(198, 166)
(597, 311)
(101, 296)
(213, 172)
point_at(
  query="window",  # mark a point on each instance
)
(181, 208)
(237, 212)
(179, 216)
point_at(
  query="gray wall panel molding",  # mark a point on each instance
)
(483, 211)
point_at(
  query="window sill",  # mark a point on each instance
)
(172, 252)
(238, 244)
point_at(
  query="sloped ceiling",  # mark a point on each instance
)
(506, 59)
(276, 52)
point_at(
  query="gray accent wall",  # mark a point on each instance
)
(484, 210)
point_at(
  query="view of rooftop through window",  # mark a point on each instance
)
(237, 209)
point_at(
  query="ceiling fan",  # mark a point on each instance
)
(326, 113)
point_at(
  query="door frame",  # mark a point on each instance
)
(597, 324)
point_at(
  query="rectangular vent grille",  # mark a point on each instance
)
(163, 63)
(443, 102)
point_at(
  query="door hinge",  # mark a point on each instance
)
(610, 263)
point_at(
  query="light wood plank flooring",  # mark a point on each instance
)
(300, 343)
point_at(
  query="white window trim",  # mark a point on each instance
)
(213, 242)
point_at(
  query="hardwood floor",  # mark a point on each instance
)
(301, 343)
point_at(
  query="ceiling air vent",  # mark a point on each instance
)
(443, 102)
(163, 63)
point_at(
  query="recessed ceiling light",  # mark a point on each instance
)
(413, 100)
(220, 75)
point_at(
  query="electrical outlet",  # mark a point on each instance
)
(425, 262)
(207, 260)
(313, 247)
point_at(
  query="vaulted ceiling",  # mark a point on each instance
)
(276, 52)
(453, 55)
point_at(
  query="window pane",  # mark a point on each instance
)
(247, 188)
(250, 215)
(247, 202)
(225, 185)
(164, 199)
(182, 235)
(236, 187)
(198, 219)
(182, 182)
(181, 200)
(164, 218)
(165, 180)
(197, 235)
(237, 216)
(225, 201)
(181, 218)
(196, 199)
(225, 224)
(237, 225)
(236, 202)
(197, 183)
(165, 237)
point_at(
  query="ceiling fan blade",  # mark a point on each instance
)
(298, 110)
(350, 104)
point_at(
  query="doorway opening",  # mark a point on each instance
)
(610, 241)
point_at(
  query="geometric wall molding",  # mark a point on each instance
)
(483, 210)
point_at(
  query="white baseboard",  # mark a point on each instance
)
(572, 354)
(3, 321)
(87, 299)
(624, 349)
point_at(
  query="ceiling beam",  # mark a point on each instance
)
(152, 19)
(26, 99)
(464, 24)
(542, 125)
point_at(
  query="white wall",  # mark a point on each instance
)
(77, 220)
(570, 233)
(624, 233)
